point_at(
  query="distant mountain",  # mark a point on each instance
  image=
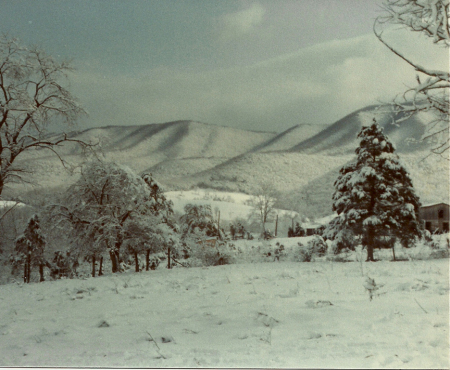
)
(179, 139)
(341, 137)
(302, 161)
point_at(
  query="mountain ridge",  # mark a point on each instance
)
(184, 154)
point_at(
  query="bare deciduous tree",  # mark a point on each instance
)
(431, 94)
(263, 204)
(32, 96)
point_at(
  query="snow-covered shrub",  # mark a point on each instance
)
(154, 261)
(317, 246)
(237, 230)
(267, 235)
(205, 255)
(427, 236)
(439, 253)
(192, 262)
(345, 241)
(279, 252)
(408, 242)
(303, 253)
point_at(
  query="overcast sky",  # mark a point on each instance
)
(260, 65)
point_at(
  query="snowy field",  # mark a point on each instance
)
(231, 205)
(280, 314)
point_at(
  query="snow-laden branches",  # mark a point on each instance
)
(110, 207)
(32, 96)
(374, 196)
(431, 94)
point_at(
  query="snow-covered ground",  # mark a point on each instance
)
(280, 314)
(231, 205)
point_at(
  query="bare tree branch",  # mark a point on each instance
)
(430, 18)
(32, 96)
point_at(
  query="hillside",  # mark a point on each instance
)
(186, 146)
(302, 162)
(341, 137)
(291, 137)
(287, 171)
(179, 139)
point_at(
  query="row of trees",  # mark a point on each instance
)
(112, 211)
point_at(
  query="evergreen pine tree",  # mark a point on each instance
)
(34, 235)
(30, 249)
(374, 195)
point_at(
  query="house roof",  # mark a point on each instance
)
(434, 204)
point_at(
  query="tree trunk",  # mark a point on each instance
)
(147, 260)
(100, 270)
(41, 272)
(218, 226)
(393, 250)
(116, 253)
(370, 243)
(93, 266)
(25, 272)
(114, 264)
(29, 266)
(136, 262)
(168, 258)
(276, 226)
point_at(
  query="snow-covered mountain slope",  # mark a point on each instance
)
(302, 161)
(341, 137)
(261, 315)
(179, 139)
(287, 171)
(291, 137)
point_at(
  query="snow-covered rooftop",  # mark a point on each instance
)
(434, 204)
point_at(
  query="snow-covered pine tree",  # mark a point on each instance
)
(30, 249)
(21, 256)
(167, 230)
(198, 219)
(160, 203)
(374, 195)
(33, 233)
